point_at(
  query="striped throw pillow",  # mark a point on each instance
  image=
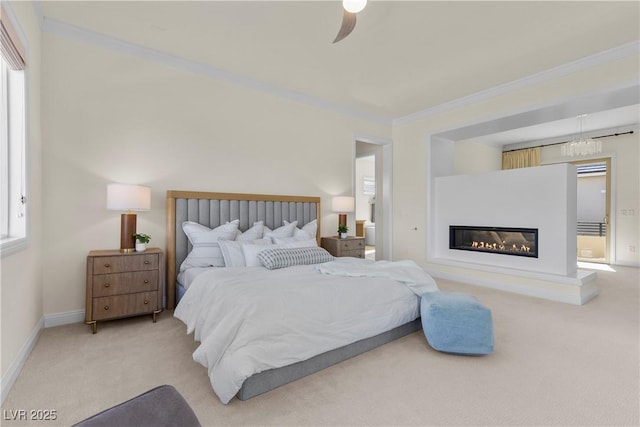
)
(288, 257)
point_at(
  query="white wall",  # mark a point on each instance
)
(21, 273)
(471, 157)
(542, 197)
(114, 118)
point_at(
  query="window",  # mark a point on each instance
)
(13, 208)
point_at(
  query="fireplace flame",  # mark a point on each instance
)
(500, 247)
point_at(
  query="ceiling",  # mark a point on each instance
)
(403, 56)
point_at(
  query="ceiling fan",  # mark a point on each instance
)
(351, 8)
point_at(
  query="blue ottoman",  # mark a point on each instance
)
(456, 323)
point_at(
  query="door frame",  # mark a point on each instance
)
(384, 193)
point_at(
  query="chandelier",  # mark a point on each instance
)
(581, 146)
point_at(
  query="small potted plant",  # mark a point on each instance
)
(342, 231)
(141, 241)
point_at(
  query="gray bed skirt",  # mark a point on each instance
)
(272, 378)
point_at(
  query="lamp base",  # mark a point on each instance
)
(342, 219)
(127, 230)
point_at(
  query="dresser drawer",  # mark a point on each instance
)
(348, 245)
(124, 283)
(117, 264)
(124, 305)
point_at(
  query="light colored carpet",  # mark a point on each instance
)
(554, 365)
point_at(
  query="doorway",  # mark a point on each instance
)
(367, 183)
(594, 205)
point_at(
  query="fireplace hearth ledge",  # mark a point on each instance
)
(576, 290)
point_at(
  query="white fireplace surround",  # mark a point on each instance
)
(543, 197)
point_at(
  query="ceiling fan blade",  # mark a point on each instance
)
(348, 24)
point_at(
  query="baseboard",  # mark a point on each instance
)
(626, 264)
(12, 373)
(64, 318)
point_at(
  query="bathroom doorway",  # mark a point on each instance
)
(366, 192)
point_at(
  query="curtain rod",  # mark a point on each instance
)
(564, 142)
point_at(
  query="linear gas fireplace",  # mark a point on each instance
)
(499, 240)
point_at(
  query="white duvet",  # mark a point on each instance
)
(252, 319)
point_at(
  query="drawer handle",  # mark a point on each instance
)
(146, 281)
(107, 265)
(106, 307)
(146, 302)
(106, 285)
(146, 262)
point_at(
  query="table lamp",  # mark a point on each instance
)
(342, 205)
(125, 197)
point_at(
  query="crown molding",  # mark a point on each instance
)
(141, 52)
(623, 51)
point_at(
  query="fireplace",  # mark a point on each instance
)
(497, 240)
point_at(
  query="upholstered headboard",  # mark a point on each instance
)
(213, 209)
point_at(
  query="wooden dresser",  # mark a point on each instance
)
(123, 285)
(351, 246)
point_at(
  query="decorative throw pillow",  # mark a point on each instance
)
(251, 253)
(288, 257)
(233, 254)
(308, 231)
(205, 250)
(284, 231)
(254, 233)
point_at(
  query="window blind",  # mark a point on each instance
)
(11, 48)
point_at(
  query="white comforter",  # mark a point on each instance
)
(251, 319)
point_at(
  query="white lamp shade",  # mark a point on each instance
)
(354, 6)
(343, 204)
(125, 197)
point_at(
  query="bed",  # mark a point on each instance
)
(248, 294)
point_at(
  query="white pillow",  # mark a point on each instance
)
(284, 231)
(233, 254)
(253, 233)
(308, 231)
(251, 254)
(206, 251)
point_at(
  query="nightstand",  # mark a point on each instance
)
(351, 246)
(123, 285)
